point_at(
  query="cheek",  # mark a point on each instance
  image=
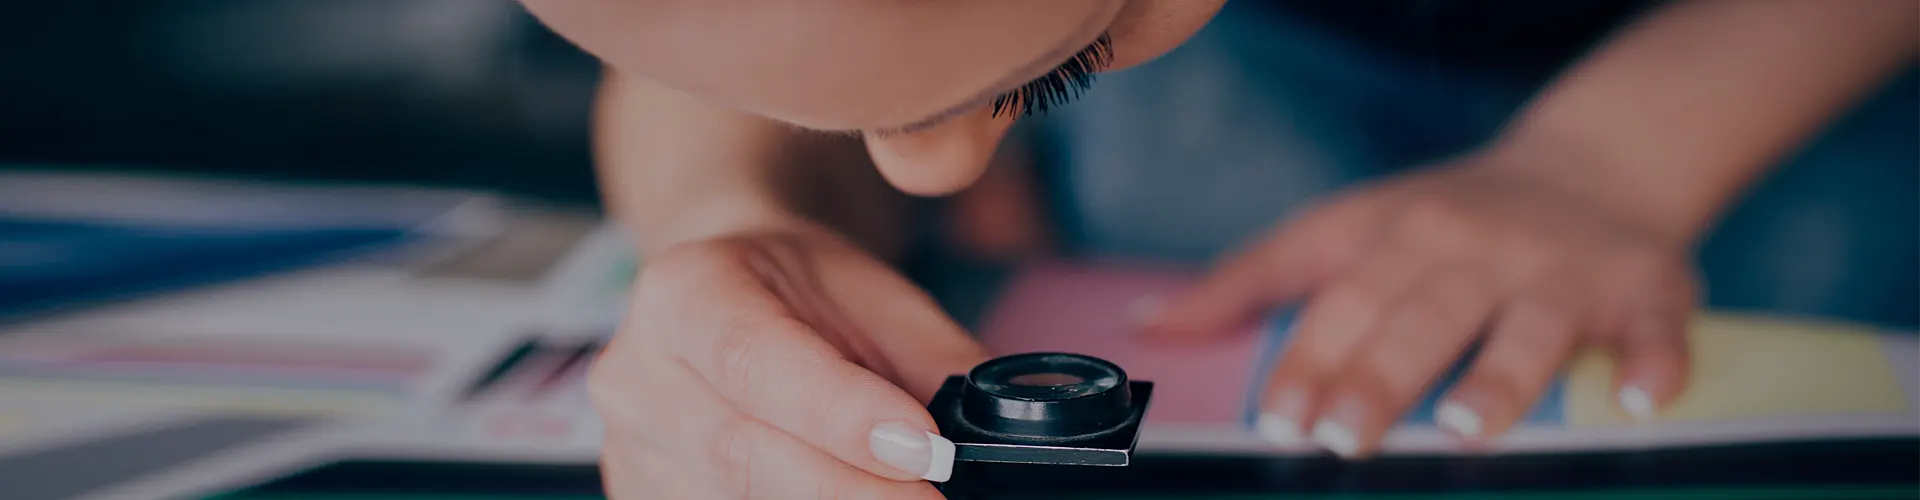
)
(1145, 29)
(943, 159)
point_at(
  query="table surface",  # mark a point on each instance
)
(1881, 468)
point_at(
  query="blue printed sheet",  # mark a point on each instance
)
(1549, 410)
(52, 264)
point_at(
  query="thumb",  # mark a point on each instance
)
(1237, 292)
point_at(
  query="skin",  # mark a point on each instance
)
(880, 68)
(1574, 228)
(766, 292)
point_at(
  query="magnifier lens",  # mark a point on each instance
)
(1046, 377)
(1047, 380)
(1047, 394)
(1042, 408)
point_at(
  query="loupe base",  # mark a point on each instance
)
(1112, 447)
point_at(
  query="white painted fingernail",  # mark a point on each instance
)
(1279, 430)
(1637, 403)
(1144, 310)
(942, 468)
(902, 446)
(1336, 438)
(1458, 418)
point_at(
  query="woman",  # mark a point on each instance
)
(774, 353)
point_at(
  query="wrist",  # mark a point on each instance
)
(1673, 203)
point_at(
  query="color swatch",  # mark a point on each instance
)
(1767, 378)
(1747, 367)
(1086, 311)
(280, 376)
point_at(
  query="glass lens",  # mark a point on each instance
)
(1042, 377)
(1046, 379)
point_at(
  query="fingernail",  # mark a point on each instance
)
(1279, 430)
(1145, 310)
(1458, 418)
(1637, 403)
(902, 446)
(1336, 438)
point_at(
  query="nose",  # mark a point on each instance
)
(942, 159)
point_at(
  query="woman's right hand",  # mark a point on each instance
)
(776, 364)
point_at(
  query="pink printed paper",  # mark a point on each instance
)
(1084, 310)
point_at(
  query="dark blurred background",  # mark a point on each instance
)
(478, 94)
(463, 93)
(467, 93)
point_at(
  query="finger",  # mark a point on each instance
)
(1652, 362)
(888, 304)
(638, 473)
(732, 452)
(1532, 337)
(739, 338)
(1331, 329)
(1247, 285)
(1422, 335)
(1646, 316)
(781, 372)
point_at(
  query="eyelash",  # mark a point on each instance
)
(1060, 86)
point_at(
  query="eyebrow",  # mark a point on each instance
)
(1037, 68)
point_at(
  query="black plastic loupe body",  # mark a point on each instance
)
(1043, 408)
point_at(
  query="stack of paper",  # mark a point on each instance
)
(70, 240)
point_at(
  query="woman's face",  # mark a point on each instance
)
(918, 78)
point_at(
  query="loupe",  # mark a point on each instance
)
(1042, 408)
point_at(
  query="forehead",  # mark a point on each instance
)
(837, 64)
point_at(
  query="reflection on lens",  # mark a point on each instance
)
(1046, 377)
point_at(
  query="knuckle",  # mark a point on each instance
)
(745, 343)
(1453, 300)
(1543, 319)
(1432, 312)
(1442, 226)
(733, 444)
(734, 349)
(1353, 299)
(1527, 348)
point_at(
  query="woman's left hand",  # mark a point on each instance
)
(1400, 278)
